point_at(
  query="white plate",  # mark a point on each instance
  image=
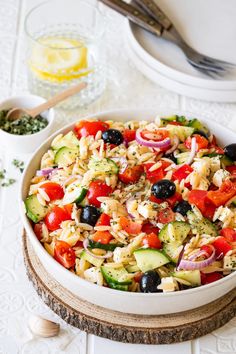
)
(137, 303)
(215, 37)
(177, 86)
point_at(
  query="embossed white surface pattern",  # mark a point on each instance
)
(126, 88)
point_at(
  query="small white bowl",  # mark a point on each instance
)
(128, 302)
(26, 143)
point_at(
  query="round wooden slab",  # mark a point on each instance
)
(127, 328)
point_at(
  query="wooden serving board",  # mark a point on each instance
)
(127, 328)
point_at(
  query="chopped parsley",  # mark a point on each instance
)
(25, 125)
(19, 164)
(8, 182)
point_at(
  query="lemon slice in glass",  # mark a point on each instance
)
(59, 59)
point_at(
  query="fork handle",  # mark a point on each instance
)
(150, 7)
(135, 15)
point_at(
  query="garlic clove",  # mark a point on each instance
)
(42, 327)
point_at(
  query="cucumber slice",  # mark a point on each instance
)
(34, 210)
(115, 275)
(173, 251)
(132, 269)
(182, 158)
(166, 120)
(181, 131)
(203, 226)
(106, 166)
(69, 140)
(65, 156)
(118, 287)
(149, 258)
(197, 125)
(107, 247)
(174, 232)
(84, 202)
(192, 276)
(74, 194)
(97, 262)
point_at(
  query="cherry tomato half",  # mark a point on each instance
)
(53, 190)
(199, 198)
(177, 197)
(85, 128)
(151, 240)
(131, 174)
(148, 228)
(54, 218)
(210, 277)
(221, 246)
(97, 189)
(231, 169)
(103, 237)
(130, 226)
(64, 254)
(157, 135)
(202, 143)
(166, 215)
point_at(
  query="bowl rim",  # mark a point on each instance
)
(84, 282)
(51, 114)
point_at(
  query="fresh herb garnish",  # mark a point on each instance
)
(25, 125)
(8, 182)
(2, 174)
(19, 164)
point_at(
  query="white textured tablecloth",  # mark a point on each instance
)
(18, 300)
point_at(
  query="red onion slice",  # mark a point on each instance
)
(45, 172)
(175, 142)
(193, 151)
(198, 254)
(151, 143)
(191, 265)
(86, 245)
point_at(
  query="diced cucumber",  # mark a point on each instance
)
(173, 251)
(69, 140)
(181, 131)
(149, 258)
(104, 165)
(65, 156)
(174, 232)
(132, 268)
(192, 276)
(84, 202)
(182, 158)
(74, 194)
(34, 210)
(107, 247)
(197, 125)
(166, 120)
(97, 262)
(201, 226)
(118, 287)
(118, 276)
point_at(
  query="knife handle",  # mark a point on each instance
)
(150, 7)
(135, 15)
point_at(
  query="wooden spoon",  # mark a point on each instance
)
(16, 113)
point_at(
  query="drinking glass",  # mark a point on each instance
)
(66, 47)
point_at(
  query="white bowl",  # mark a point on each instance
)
(26, 143)
(137, 303)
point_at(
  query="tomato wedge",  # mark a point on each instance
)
(104, 220)
(182, 172)
(226, 191)
(177, 197)
(200, 199)
(53, 190)
(85, 128)
(64, 254)
(202, 143)
(157, 135)
(221, 246)
(38, 231)
(98, 189)
(210, 277)
(151, 240)
(129, 135)
(231, 169)
(148, 228)
(229, 234)
(103, 237)
(166, 215)
(130, 226)
(131, 174)
(158, 174)
(54, 218)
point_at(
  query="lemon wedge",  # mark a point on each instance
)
(59, 59)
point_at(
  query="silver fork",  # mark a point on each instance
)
(149, 16)
(211, 66)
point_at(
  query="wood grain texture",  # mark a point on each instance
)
(127, 328)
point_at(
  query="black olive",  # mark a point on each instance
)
(201, 132)
(113, 136)
(149, 282)
(182, 207)
(230, 151)
(171, 156)
(163, 189)
(90, 215)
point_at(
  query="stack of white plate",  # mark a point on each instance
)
(165, 64)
